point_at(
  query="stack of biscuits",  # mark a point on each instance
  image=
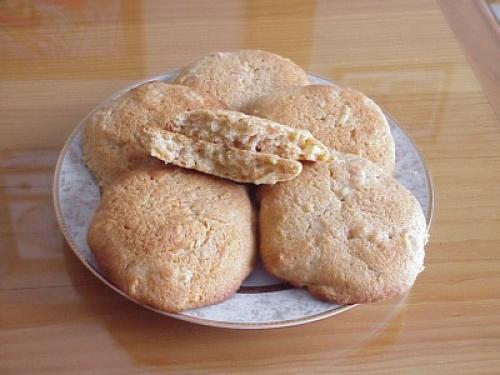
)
(178, 162)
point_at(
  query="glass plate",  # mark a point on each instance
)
(262, 301)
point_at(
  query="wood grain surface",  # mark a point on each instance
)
(59, 59)
(478, 32)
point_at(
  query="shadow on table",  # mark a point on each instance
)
(156, 341)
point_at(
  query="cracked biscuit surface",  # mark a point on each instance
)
(250, 133)
(345, 230)
(218, 159)
(237, 78)
(110, 136)
(174, 239)
(343, 119)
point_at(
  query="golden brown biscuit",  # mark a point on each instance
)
(239, 77)
(343, 119)
(250, 133)
(110, 138)
(174, 239)
(218, 159)
(345, 230)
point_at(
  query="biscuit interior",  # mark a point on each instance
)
(244, 132)
(219, 160)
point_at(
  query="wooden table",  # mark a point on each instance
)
(58, 60)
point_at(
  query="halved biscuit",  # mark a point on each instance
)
(237, 78)
(218, 159)
(174, 239)
(343, 229)
(110, 137)
(343, 119)
(250, 133)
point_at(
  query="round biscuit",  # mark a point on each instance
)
(174, 239)
(110, 138)
(343, 229)
(239, 77)
(343, 119)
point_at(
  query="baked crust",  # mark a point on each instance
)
(174, 239)
(343, 229)
(239, 77)
(111, 135)
(344, 120)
